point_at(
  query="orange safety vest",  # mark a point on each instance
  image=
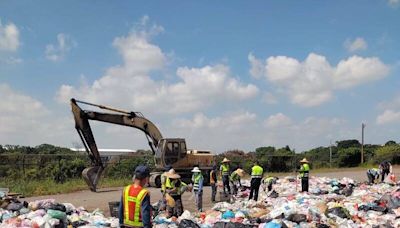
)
(132, 198)
(212, 181)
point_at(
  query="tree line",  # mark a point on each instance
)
(60, 164)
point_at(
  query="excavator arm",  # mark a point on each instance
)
(130, 119)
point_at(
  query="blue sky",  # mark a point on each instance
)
(224, 75)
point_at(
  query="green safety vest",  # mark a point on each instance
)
(225, 169)
(171, 185)
(234, 177)
(304, 170)
(133, 197)
(257, 171)
(196, 180)
(164, 181)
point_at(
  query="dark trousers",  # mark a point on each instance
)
(269, 187)
(178, 209)
(371, 178)
(384, 173)
(213, 192)
(304, 184)
(254, 187)
(225, 181)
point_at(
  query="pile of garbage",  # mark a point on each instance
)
(48, 213)
(330, 203)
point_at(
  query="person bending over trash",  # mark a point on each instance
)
(235, 179)
(135, 208)
(373, 174)
(386, 169)
(269, 182)
(198, 180)
(174, 188)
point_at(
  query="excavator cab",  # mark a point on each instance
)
(170, 151)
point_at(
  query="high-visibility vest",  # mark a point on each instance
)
(133, 198)
(171, 185)
(374, 172)
(212, 180)
(304, 170)
(257, 171)
(196, 180)
(164, 180)
(225, 169)
(234, 177)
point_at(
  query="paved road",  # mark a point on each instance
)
(91, 200)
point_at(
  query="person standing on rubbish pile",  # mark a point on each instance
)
(386, 169)
(175, 188)
(135, 208)
(256, 177)
(304, 174)
(269, 182)
(235, 179)
(373, 174)
(213, 183)
(225, 171)
(198, 180)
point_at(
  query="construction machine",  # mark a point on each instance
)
(166, 151)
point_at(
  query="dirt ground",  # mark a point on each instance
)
(100, 199)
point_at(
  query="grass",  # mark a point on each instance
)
(49, 187)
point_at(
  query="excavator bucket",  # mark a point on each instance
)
(92, 175)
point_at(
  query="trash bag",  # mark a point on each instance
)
(186, 223)
(15, 206)
(170, 201)
(57, 214)
(347, 191)
(340, 212)
(58, 207)
(321, 225)
(274, 194)
(237, 225)
(272, 225)
(228, 215)
(297, 218)
(379, 208)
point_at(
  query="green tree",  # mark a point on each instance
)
(349, 157)
(348, 143)
(388, 153)
(390, 143)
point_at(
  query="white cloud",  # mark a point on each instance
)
(9, 37)
(393, 2)
(11, 61)
(256, 66)
(388, 116)
(313, 81)
(270, 98)
(130, 84)
(277, 120)
(358, 44)
(57, 52)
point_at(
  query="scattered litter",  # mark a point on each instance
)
(330, 203)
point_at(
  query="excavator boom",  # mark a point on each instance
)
(130, 119)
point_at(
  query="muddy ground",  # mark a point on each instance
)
(91, 200)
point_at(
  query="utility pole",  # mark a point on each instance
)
(330, 153)
(362, 143)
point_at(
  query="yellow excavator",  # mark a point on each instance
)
(167, 151)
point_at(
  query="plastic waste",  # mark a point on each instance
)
(56, 214)
(185, 223)
(228, 215)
